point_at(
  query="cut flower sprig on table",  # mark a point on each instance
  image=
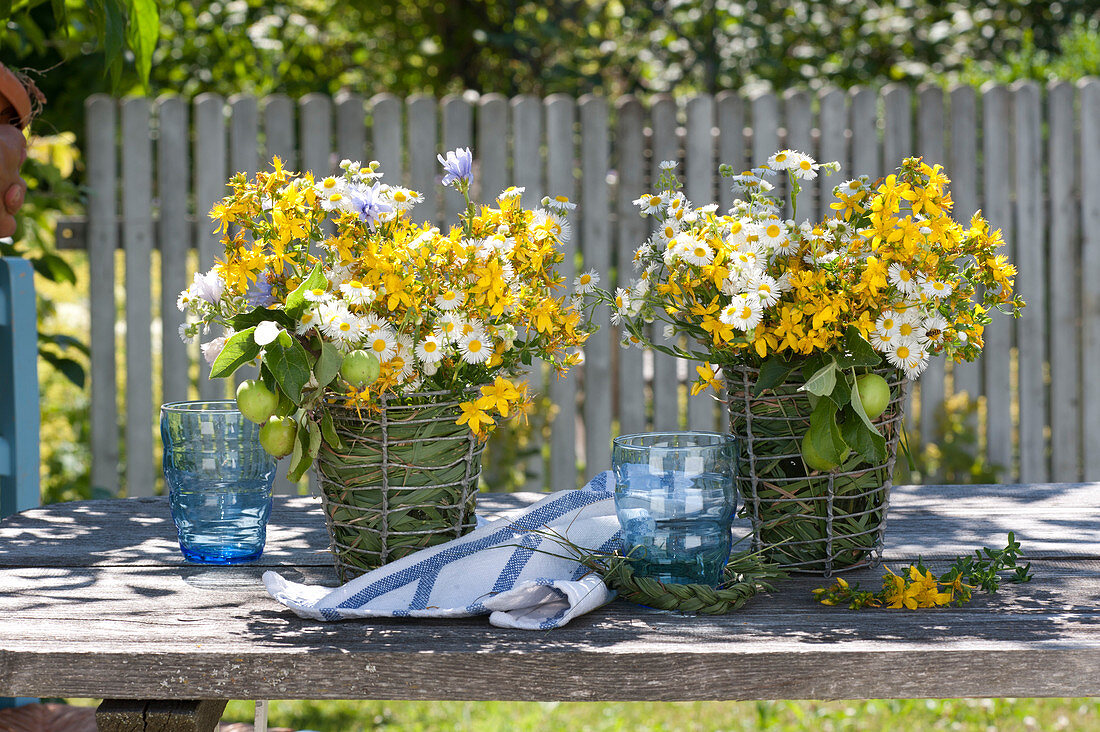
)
(889, 281)
(343, 298)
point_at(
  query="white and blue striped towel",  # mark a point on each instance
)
(505, 569)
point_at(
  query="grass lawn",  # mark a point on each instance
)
(986, 715)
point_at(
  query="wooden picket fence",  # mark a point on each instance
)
(1028, 156)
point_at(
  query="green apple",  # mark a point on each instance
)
(815, 460)
(256, 401)
(360, 367)
(277, 436)
(874, 393)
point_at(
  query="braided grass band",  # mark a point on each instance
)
(818, 523)
(406, 480)
(747, 574)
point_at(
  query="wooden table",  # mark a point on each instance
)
(96, 601)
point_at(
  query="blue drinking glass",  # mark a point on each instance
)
(219, 481)
(675, 500)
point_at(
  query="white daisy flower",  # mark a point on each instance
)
(356, 293)
(765, 288)
(382, 343)
(430, 349)
(783, 160)
(903, 278)
(910, 333)
(668, 230)
(309, 320)
(511, 192)
(805, 168)
(937, 289)
(883, 341)
(667, 165)
(772, 234)
(910, 359)
(402, 362)
(651, 203)
(403, 198)
(586, 282)
(698, 253)
(318, 295)
(474, 347)
(742, 313)
(348, 329)
(559, 204)
(450, 299)
(331, 315)
(887, 323)
(449, 328)
(934, 330)
(668, 331)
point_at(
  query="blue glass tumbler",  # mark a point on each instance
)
(675, 500)
(219, 481)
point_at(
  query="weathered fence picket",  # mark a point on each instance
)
(1028, 156)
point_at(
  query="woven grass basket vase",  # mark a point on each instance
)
(407, 479)
(819, 523)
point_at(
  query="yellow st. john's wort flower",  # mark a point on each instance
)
(499, 396)
(706, 378)
(474, 417)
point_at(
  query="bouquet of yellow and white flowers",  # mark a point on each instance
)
(889, 280)
(342, 298)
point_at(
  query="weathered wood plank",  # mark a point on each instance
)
(629, 157)
(1089, 121)
(834, 145)
(997, 155)
(799, 123)
(458, 132)
(101, 129)
(930, 146)
(137, 232)
(387, 145)
(527, 123)
(244, 134)
(595, 244)
(492, 147)
(666, 381)
(174, 239)
(351, 127)
(423, 143)
(699, 170)
(209, 188)
(730, 108)
(963, 169)
(866, 157)
(1064, 287)
(561, 157)
(765, 132)
(279, 131)
(1031, 258)
(127, 715)
(315, 133)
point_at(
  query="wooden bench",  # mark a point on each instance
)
(98, 602)
(1041, 412)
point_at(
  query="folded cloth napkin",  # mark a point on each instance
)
(508, 569)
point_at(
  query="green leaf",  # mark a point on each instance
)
(259, 315)
(314, 439)
(296, 302)
(824, 433)
(68, 368)
(857, 406)
(870, 445)
(54, 268)
(328, 364)
(328, 431)
(857, 351)
(289, 366)
(239, 350)
(823, 380)
(773, 372)
(142, 33)
(114, 39)
(299, 458)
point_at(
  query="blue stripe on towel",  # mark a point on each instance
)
(428, 569)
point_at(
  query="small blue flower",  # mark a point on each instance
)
(368, 203)
(458, 165)
(259, 293)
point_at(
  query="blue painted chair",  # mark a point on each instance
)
(19, 418)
